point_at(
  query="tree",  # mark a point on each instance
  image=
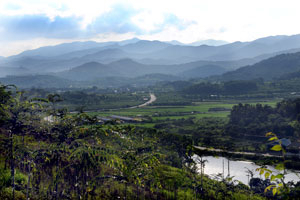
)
(16, 119)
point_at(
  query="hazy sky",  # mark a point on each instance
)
(27, 24)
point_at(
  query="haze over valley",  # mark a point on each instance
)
(89, 62)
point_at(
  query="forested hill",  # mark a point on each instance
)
(267, 69)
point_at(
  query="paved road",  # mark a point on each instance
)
(151, 100)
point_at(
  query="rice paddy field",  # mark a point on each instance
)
(154, 114)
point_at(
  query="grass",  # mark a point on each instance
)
(160, 113)
(147, 125)
(197, 116)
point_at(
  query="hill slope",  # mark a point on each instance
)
(88, 71)
(267, 69)
(203, 71)
(38, 81)
(131, 69)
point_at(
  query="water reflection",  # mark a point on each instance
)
(238, 169)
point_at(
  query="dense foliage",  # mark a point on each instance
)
(219, 90)
(48, 154)
(255, 120)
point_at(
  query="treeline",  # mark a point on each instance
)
(93, 101)
(93, 98)
(286, 86)
(226, 88)
(256, 120)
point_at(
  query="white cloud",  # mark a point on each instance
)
(229, 20)
(148, 20)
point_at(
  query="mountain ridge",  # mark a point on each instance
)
(267, 69)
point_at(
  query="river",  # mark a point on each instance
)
(238, 169)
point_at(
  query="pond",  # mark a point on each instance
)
(238, 169)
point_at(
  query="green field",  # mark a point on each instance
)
(161, 113)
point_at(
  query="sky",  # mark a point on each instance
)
(29, 24)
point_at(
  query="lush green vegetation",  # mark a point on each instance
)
(70, 156)
(93, 98)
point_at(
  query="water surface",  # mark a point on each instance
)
(238, 169)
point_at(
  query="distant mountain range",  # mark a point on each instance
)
(91, 62)
(130, 68)
(57, 50)
(208, 42)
